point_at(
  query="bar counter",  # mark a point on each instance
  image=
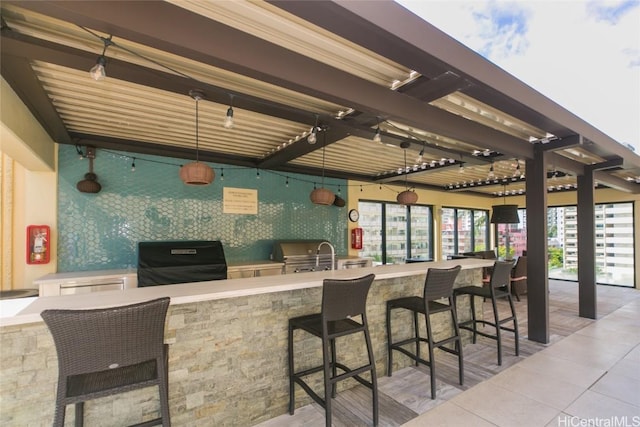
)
(228, 340)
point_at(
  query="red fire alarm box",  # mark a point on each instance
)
(356, 238)
(38, 244)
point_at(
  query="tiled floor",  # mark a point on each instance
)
(589, 375)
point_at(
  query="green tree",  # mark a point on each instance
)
(502, 250)
(556, 257)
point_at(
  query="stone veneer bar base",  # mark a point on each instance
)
(227, 359)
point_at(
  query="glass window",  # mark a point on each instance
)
(421, 225)
(511, 239)
(464, 230)
(371, 223)
(480, 230)
(465, 236)
(448, 232)
(394, 233)
(615, 262)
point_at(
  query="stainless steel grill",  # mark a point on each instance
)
(302, 255)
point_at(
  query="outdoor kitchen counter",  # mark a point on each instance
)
(227, 338)
(185, 293)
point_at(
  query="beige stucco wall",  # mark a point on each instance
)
(29, 195)
(21, 136)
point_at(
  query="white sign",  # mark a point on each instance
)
(239, 201)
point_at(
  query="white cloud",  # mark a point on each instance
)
(584, 55)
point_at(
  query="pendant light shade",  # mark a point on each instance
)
(196, 173)
(339, 202)
(322, 196)
(407, 197)
(90, 182)
(505, 214)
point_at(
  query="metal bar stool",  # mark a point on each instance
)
(438, 285)
(342, 301)
(102, 352)
(498, 288)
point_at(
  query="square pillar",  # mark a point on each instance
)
(537, 256)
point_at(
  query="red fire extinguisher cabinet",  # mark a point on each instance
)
(356, 238)
(38, 244)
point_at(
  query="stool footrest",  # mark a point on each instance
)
(440, 344)
(411, 340)
(308, 371)
(320, 401)
(155, 422)
(484, 334)
(410, 354)
(353, 373)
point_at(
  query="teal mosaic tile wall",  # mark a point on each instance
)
(101, 231)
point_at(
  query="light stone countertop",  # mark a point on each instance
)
(85, 275)
(186, 293)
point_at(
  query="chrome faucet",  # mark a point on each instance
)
(333, 255)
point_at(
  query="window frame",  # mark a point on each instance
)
(408, 234)
(472, 216)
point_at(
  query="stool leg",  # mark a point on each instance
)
(374, 377)
(432, 362)
(498, 329)
(416, 329)
(473, 317)
(292, 398)
(79, 422)
(515, 325)
(458, 342)
(163, 388)
(327, 381)
(58, 419)
(389, 343)
(334, 371)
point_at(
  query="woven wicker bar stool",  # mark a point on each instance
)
(102, 352)
(343, 301)
(438, 287)
(499, 288)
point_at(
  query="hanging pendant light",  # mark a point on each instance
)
(98, 72)
(90, 182)
(313, 133)
(196, 173)
(228, 120)
(377, 137)
(407, 197)
(517, 173)
(504, 214)
(491, 174)
(322, 196)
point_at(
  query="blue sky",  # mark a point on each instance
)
(583, 54)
